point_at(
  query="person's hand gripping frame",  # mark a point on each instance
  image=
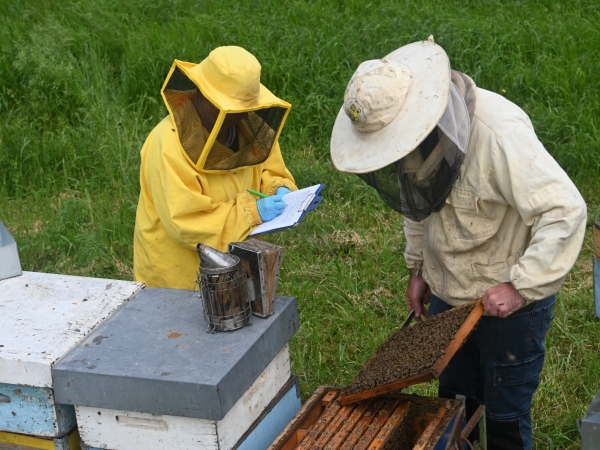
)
(418, 294)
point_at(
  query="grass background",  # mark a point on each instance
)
(79, 92)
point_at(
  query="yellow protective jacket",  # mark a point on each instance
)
(513, 214)
(181, 204)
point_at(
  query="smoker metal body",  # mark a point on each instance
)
(10, 265)
(261, 261)
(225, 299)
(224, 290)
(589, 426)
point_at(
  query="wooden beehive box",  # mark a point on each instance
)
(16, 441)
(395, 421)
(415, 354)
(43, 317)
(150, 377)
(596, 263)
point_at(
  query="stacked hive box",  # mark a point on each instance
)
(371, 414)
(43, 316)
(152, 377)
(590, 424)
(596, 263)
(394, 421)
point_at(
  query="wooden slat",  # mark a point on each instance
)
(315, 431)
(362, 424)
(386, 388)
(22, 441)
(397, 416)
(379, 421)
(299, 436)
(333, 428)
(308, 414)
(597, 240)
(329, 397)
(454, 435)
(271, 261)
(473, 421)
(357, 414)
(596, 264)
(458, 339)
(433, 424)
(420, 422)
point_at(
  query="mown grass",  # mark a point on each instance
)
(79, 92)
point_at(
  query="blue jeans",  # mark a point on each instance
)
(499, 366)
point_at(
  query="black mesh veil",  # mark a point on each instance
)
(251, 139)
(419, 183)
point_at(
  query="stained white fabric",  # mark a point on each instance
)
(513, 214)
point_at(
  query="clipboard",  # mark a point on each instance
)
(300, 203)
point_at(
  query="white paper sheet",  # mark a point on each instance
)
(295, 205)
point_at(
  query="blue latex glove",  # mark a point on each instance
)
(270, 207)
(282, 190)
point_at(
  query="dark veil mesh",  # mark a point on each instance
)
(419, 183)
(253, 139)
(178, 81)
(399, 188)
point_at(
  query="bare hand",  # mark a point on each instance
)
(502, 300)
(417, 294)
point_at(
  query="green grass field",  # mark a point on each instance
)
(79, 92)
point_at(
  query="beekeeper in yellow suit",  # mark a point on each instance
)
(218, 141)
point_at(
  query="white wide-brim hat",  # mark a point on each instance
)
(390, 106)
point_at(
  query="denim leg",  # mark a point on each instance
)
(499, 366)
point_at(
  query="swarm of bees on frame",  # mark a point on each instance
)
(410, 351)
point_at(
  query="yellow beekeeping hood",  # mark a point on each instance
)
(230, 79)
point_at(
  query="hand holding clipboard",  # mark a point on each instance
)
(298, 203)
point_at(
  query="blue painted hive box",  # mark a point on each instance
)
(43, 316)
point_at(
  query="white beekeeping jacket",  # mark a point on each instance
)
(513, 214)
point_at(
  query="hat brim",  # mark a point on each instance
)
(356, 152)
(265, 98)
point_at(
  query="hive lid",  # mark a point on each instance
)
(387, 371)
(153, 356)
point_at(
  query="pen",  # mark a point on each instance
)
(260, 194)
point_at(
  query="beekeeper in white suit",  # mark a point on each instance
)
(488, 213)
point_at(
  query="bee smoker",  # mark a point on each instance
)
(261, 260)
(224, 290)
